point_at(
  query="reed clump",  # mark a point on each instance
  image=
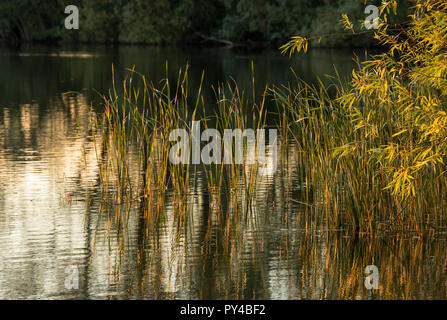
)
(343, 184)
(386, 129)
(137, 146)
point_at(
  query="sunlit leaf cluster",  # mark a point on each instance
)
(397, 99)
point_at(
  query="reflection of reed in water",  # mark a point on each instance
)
(220, 256)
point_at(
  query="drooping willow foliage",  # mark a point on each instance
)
(397, 100)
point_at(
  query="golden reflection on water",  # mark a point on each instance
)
(41, 162)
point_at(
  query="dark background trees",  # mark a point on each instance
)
(172, 21)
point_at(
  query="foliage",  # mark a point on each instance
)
(26, 20)
(158, 21)
(397, 100)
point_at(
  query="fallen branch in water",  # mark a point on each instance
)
(224, 41)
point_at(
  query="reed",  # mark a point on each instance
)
(344, 189)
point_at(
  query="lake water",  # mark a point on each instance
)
(49, 166)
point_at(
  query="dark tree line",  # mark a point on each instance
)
(172, 21)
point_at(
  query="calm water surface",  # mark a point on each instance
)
(49, 166)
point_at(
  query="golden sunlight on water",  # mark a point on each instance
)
(39, 235)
